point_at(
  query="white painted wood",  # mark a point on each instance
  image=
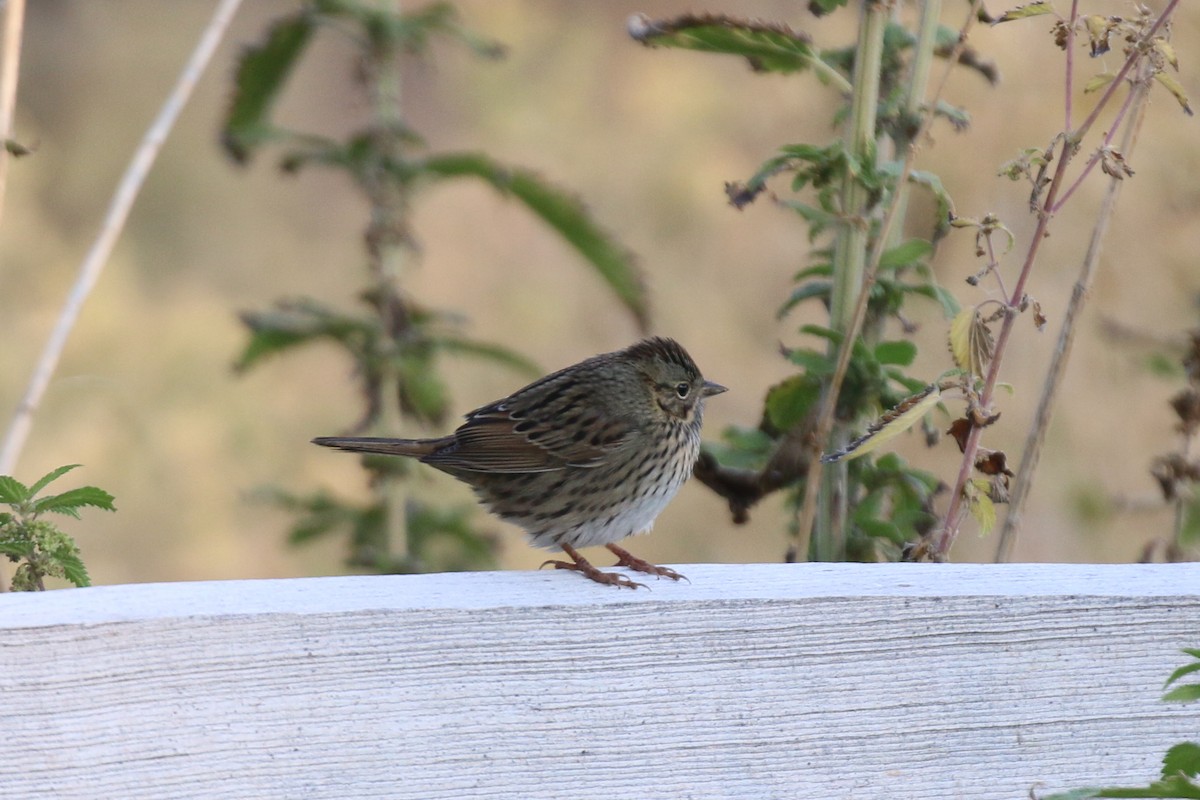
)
(753, 681)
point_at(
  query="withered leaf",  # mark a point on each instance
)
(992, 462)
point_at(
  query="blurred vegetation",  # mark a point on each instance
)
(871, 509)
(393, 341)
(145, 399)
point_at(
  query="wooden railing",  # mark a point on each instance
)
(938, 682)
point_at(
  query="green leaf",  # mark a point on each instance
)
(1175, 787)
(260, 76)
(1188, 693)
(1186, 669)
(900, 352)
(1024, 12)
(767, 47)
(411, 31)
(906, 254)
(72, 566)
(561, 211)
(49, 477)
(70, 501)
(947, 301)
(933, 184)
(294, 323)
(489, 351)
(878, 528)
(1176, 89)
(814, 363)
(811, 289)
(16, 549)
(823, 332)
(1182, 759)
(790, 401)
(12, 491)
(818, 218)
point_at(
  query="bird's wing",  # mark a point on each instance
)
(542, 428)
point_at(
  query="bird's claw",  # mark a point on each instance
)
(630, 561)
(589, 571)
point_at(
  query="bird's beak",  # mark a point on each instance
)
(709, 389)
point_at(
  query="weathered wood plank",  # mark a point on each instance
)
(753, 681)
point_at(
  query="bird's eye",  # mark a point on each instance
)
(682, 389)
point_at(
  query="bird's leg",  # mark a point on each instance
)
(580, 564)
(628, 559)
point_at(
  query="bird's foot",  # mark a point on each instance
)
(581, 565)
(629, 560)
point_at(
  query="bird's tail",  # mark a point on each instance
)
(416, 448)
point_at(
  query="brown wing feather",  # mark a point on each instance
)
(549, 425)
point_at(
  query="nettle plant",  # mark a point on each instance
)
(849, 502)
(38, 547)
(393, 341)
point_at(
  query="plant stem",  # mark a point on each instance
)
(849, 262)
(945, 537)
(110, 229)
(1032, 451)
(385, 237)
(895, 211)
(10, 68)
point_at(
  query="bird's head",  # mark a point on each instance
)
(675, 382)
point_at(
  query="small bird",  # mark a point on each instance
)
(585, 456)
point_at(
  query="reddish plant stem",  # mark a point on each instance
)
(957, 510)
(954, 513)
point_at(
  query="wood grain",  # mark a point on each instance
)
(754, 681)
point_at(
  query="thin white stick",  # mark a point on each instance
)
(14, 23)
(114, 221)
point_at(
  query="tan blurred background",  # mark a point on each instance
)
(146, 400)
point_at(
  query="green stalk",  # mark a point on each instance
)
(388, 208)
(849, 260)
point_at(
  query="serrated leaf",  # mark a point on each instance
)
(72, 566)
(1182, 759)
(16, 549)
(561, 211)
(906, 254)
(981, 506)
(890, 425)
(12, 491)
(1174, 87)
(70, 501)
(768, 47)
(50, 477)
(261, 73)
(1025, 12)
(900, 353)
